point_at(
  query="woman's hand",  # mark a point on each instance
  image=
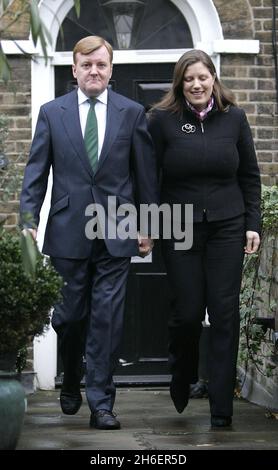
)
(252, 242)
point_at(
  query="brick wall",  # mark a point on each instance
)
(15, 104)
(252, 77)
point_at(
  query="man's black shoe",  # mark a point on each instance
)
(104, 419)
(179, 391)
(70, 402)
(221, 421)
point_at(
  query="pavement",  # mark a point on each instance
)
(149, 423)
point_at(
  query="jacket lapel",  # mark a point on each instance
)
(71, 122)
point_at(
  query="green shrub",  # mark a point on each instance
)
(257, 298)
(25, 300)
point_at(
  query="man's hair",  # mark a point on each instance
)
(90, 44)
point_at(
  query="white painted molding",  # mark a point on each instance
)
(202, 18)
(42, 77)
(227, 46)
(236, 46)
(129, 57)
(10, 47)
(53, 14)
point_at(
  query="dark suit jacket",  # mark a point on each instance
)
(212, 166)
(126, 170)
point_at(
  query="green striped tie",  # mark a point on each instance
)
(91, 135)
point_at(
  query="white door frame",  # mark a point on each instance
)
(206, 31)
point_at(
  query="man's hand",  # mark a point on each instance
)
(252, 242)
(145, 245)
(33, 232)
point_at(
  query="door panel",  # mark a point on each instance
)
(144, 357)
(149, 92)
(144, 349)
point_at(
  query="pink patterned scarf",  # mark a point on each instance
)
(202, 114)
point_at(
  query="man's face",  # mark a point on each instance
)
(93, 71)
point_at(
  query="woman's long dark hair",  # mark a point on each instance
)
(174, 98)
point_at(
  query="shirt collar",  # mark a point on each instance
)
(82, 98)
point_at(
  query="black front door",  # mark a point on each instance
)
(143, 357)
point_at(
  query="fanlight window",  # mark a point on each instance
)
(127, 24)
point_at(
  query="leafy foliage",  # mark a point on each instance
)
(5, 69)
(270, 208)
(25, 301)
(10, 182)
(3, 132)
(29, 253)
(252, 334)
(39, 32)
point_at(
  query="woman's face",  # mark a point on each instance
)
(197, 85)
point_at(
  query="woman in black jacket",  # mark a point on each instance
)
(206, 158)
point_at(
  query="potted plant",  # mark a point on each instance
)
(26, 301)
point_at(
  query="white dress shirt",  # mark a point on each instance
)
(100, 110)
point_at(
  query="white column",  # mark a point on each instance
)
(45, 346)
(45, 359)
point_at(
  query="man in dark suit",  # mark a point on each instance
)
(94, 270)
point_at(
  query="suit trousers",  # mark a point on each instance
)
(89, 320)
(207, 277)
